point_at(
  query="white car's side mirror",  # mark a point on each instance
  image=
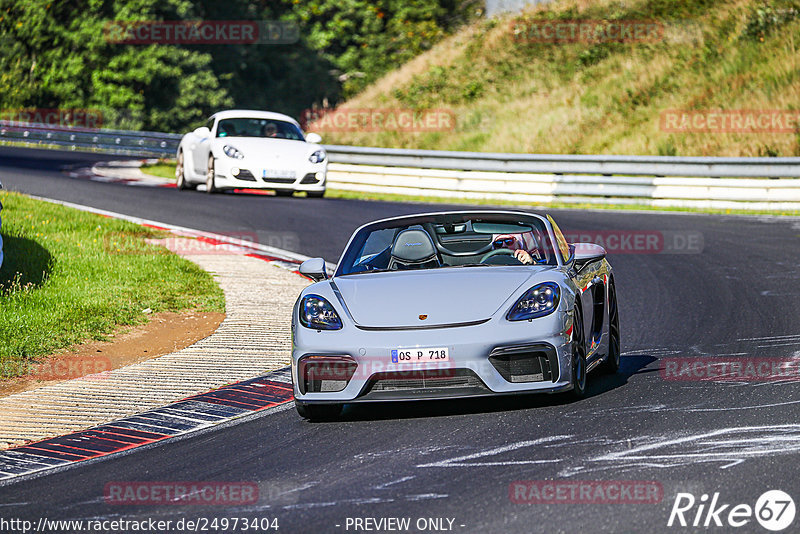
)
(585, 253)
(314, 138)
(202, 132)
(314, 268)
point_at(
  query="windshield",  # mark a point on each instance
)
(252, 127)
(449, 240)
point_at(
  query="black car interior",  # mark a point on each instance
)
(432, 244)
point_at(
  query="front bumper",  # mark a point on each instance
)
(307, 176)
(473, 370)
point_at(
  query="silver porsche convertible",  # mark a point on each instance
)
(453, 304)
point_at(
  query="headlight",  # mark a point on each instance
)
(317, 157)
(232, 152)
(538, 301)
(317, 313)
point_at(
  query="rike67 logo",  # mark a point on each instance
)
(774, 510)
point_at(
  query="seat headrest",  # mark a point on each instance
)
(413, 246)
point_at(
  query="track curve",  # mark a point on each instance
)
(457, 459)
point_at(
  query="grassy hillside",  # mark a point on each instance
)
(513, 95)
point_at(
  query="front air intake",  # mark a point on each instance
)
(537, 363)
(325, 374)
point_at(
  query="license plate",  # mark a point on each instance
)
(277, 173)
(424, 354)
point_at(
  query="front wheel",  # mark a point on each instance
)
(578, 356)
(318, 412)
(211, 187)
(316, 194)
(180, 174)
(611, 363)
(283, 192)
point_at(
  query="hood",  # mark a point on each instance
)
(447, 296)
(268, 149)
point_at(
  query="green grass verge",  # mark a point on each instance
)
(69, 276)
(162, 169)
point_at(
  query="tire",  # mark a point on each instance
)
(318, 412)
(611, 363)
(283, 193)
(211, 187)
(578, 374)
(316, 194)
(180, 174)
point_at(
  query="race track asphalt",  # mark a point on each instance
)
(737, 297)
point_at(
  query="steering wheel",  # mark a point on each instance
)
(497, 252)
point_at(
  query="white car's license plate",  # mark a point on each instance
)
(278, 173)
(421, 354)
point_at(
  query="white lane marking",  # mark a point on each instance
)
(393, 482)
(727, 446)
(770, 338)
(462, 461)
(425, 496)
(754, 407)
(370, 500)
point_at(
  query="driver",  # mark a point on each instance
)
(269, 130)
(514, 242)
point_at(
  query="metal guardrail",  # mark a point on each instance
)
(726, 183)
(123, 142)
(569, 164)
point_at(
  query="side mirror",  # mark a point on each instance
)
(202, 132)
(314, 269)
(585, 253)
(314, 138)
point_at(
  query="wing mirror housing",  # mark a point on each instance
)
(314, 138)
(203, 131)
(314, 268)
(586, 253)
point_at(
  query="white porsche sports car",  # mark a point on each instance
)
(450, 305)
(247, 149)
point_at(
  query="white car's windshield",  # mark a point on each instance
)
(252, 127)
(441, 242)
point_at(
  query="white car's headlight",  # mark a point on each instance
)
(232, 152)
(317, 313)
(317, 157)
(538, 301)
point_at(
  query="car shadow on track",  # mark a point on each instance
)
(598, 384)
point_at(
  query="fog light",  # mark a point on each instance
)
(235, 171)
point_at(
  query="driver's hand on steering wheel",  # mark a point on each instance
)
(523, 256)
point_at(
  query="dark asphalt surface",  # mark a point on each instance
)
(456, 459)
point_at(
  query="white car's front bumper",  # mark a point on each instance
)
(473, 352)
(255, 174)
